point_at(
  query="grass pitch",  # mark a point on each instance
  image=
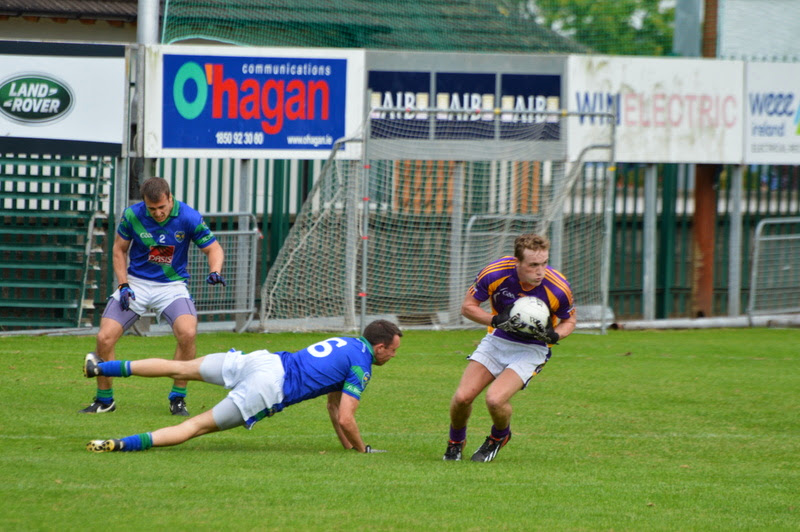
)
(635, 430)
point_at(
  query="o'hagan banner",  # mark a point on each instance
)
(252, 102)
(62, 98)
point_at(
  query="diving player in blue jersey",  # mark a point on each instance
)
(155, 234)
(262, 384)
(505, 360)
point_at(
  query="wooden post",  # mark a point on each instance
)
(705, 203)
(710, 34)
(703, 223)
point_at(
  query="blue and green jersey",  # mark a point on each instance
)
(332, 365)
(159, 251)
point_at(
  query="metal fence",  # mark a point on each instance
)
(277, 190)
(280, 187)
(236, 301)
(775, 277)
(766, 192)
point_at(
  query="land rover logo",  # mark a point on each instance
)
(33, 99)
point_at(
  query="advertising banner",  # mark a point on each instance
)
(465, 106)
(252, 102)
(62, 98)
(667, 109)
(772, 117)
(410, 91)
(470, 98)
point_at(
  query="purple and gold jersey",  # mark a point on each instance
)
(499, 283)
(332, 365)
(159, 251)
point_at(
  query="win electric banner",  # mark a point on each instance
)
(669, 110)
(254, 103)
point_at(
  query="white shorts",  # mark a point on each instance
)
(498, 354)
(153, 296)
(255, 381)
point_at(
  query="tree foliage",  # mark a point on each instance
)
(619, 27)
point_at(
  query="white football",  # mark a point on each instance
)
(530, 314)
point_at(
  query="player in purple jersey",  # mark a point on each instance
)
(262, 384)
(155, 234)
(506, 360)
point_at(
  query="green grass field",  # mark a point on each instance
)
(646, 430)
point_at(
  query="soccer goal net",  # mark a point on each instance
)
(439, 194)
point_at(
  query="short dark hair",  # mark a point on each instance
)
(381, 332)
(154, 188)
(530, 241)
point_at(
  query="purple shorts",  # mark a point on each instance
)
(126, 318)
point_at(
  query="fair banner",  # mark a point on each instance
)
(667, 110)
(772, 117)
(225, 102)
(62, 97)
(464, 97)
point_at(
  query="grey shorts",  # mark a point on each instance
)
(169, 300)
(126, 318)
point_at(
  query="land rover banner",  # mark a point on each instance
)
(64, 98)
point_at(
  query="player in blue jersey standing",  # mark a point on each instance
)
(155, 234)
(506, 360)
(262, 384)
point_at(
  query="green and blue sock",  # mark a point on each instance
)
(105, 396)
(137, 442)
(177, 391)
(115, 368)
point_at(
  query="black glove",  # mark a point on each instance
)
(548, 336)
(125, 295)
(370, 450)
(216, 278)
(503, 321)
(552, 337)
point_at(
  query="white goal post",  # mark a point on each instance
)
(439, 194)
